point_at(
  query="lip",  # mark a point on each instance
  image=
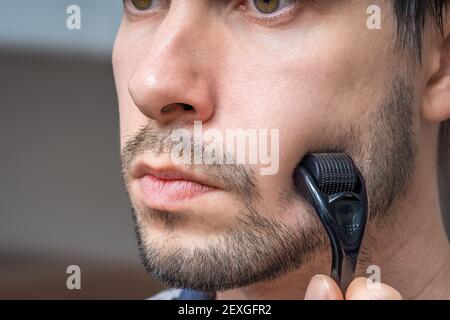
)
(166, 187)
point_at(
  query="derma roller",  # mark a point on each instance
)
(335, 188)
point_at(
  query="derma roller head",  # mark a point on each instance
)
(335, 188)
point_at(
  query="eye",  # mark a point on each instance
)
(144, 7)
(266, 6)
(271, 12)
(270, 6)
(142, 4)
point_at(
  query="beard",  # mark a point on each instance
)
(259, 247)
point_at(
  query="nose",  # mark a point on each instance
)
(174, 80)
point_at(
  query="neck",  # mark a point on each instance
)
(410, 247)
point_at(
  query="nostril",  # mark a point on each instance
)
(174, 106)
(187, 107)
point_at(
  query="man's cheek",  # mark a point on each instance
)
(130, 119)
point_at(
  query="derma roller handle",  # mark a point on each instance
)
(334, 187)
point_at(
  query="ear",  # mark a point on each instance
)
(437, 93)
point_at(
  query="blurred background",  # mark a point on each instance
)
(61, 198)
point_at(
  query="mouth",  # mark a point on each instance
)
(168, 187)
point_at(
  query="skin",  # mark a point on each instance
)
(315, 70)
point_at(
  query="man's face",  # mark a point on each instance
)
(311, 69)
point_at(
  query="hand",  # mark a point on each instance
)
(322, 287)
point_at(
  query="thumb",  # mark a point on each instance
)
(322, 287)
(362, 289)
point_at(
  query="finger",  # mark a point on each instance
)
(363, 289)
(322, 287)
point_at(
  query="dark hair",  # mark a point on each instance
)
(411, 17)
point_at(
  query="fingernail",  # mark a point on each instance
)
(318, 289)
